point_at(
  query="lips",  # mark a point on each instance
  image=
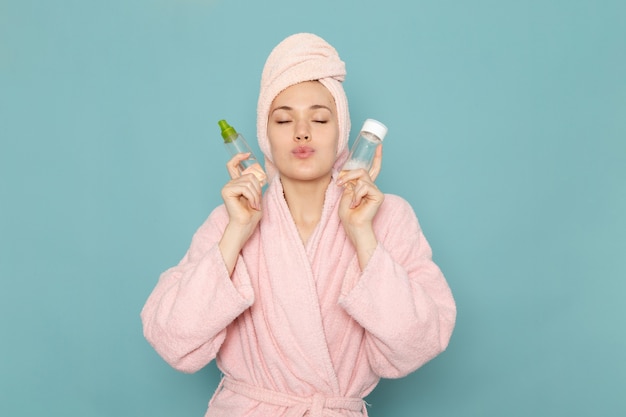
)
(303, 152)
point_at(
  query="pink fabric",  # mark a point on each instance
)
(303, 321)
(297, 406)
(298, 58)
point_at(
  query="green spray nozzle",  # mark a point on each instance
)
(228, 132)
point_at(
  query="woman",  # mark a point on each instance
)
(309, 294)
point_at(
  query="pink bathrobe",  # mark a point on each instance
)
(301, 330)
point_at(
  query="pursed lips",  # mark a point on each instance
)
(303, 152)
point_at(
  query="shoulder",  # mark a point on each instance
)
(219, 213)
(215, 222)
(396, 212)
(396, 205)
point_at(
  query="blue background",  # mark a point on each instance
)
(507, 134)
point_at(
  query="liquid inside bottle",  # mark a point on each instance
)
(364, 148)
(235, 143)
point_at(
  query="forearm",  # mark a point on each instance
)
(365, 243)
(231, 243)
(185, 315)
(401, 298)
(187, 312)
(408, 314)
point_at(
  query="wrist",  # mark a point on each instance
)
(237, 233)
(365, 244)
(231, 243)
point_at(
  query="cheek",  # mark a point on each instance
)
(330, 151)
(273, 151)
(276, 144)
(335, 142)
(271, 138)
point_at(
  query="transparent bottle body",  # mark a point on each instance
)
(237, 144)
(362, 152)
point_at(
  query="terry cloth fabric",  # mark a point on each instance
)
(298, 406)
(302, 320)
(298, 58)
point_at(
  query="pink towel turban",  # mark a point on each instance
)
(298, 58)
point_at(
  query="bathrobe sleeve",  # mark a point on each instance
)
(401, 298)
(186, 315)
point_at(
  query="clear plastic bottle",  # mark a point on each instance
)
(235, 143)
(362, 153)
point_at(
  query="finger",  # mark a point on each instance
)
(234, 169)
(351, 176)
(246, 186)
(360, 191)
(253, 182)
(251, 190)
(252, 200)
(365, 190)
(246, 196)
(258, 173)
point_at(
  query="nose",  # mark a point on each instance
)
(303, 132)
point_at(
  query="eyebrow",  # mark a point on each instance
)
(313, 107)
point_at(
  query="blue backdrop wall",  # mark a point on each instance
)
(507, 134)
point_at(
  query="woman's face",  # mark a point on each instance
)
(303, 131)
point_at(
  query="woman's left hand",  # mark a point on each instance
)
(361, 198)
(359, 204)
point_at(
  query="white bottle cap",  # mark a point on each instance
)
(375, 127)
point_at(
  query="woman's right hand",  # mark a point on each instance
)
(242, 194)
(242, 198)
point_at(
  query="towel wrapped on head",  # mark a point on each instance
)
(299, 58)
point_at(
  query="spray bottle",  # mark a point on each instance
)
(235, 143)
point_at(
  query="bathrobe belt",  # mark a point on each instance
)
(317, 405)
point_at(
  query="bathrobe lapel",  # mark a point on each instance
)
(288, 283)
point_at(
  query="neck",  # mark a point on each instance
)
(305, 200)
